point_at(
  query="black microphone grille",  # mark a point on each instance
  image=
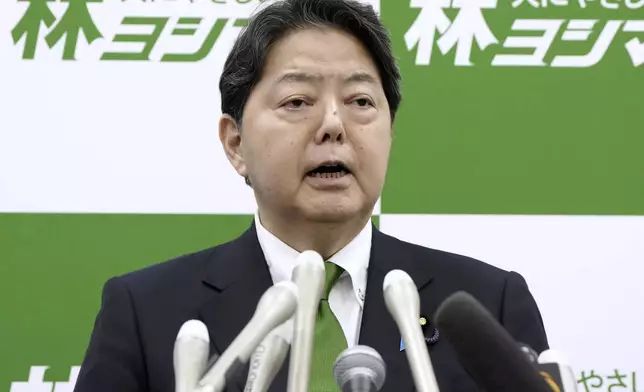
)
(485, 349)
(360, 360)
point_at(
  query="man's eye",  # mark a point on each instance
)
(363, 102)
(295, 103)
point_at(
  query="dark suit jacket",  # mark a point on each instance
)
(133, 339)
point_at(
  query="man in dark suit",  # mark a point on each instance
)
(309, 95)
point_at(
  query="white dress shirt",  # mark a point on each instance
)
(346, 298)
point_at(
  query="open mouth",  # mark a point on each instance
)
(335, 170)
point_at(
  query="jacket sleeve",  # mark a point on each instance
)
(520, 314)
(114, 358)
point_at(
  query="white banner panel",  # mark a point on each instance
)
(85, 133)
(585, 273)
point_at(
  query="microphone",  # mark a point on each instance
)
(532, 355)
(190, 356)
(275, 306)
(359, 369)
(557, 372)
(308, 275)
(403, 303)
(553, 367)
(268, 358)
(485, 348)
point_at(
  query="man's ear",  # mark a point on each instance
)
(230, 137)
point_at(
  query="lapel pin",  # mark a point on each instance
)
(431, 334)
(424, 324)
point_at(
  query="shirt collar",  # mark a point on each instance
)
(353, 258)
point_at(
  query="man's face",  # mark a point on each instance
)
(316, 131)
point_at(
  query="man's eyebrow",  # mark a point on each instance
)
(299, 77)
(360, 77)
(295, 76)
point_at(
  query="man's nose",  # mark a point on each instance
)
(332, 127)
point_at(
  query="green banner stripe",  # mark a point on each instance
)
(56, 265)
(517, 140)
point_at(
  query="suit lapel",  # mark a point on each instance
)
(378, 328)
(237, 276)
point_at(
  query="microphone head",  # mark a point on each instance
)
(275, 307)
(396, 277)
(309, 274)
(361, 361)
(310, 257)
(556, 370)
(194, 329)
(282, 297)
(552, 356)
(190, 355)
(401, 297)
(485, 349)
(310, 267)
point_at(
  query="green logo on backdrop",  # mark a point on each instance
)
(461, 26)
(530, 39)
(77, 21)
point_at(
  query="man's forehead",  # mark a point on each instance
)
(305, 48)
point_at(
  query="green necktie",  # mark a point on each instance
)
(329, 337)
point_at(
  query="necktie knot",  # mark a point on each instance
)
(332, 274)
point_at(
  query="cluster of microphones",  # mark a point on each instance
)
(285, 320)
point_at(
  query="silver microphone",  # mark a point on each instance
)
(268, 358)
(403, 302)
(359, 369)
(190, 356)
(276, 306)
(308, 275)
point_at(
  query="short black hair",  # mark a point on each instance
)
(245, 63)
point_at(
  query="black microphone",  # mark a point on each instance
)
(485, 349)
(529, 352)
(553, 367)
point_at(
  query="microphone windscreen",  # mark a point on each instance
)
(360, 360)
(194, 329)
(485, 349)
(553, 356)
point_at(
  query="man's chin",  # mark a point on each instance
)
(333, 212)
